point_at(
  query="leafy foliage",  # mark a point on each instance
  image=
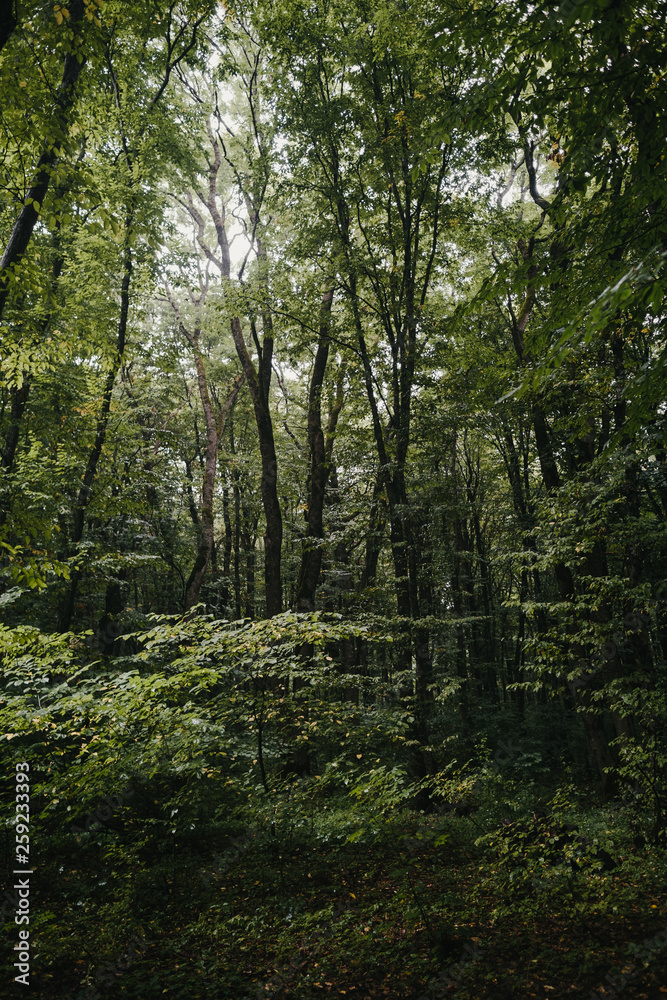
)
(354, 309)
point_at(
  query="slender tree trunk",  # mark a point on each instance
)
(22, 230)
(311, 556)
(206, 516)
(250, 559)
(237, 544)
(8, 22)
(214, 431)
(227, 550)
(19, 397)
(273, 535)
(374, 535)
(85, 491)
(108, 630)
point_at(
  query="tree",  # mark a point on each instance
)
(248, 157)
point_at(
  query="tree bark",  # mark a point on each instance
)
(23, 227)
(214, 431)
(273, 536)
(227, 549)
(19, 398)
(374, 535)
(8, 22)
(311, 556)
(85, 490)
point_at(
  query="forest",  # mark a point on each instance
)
(333, 499)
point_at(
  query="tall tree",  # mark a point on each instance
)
(247, 158)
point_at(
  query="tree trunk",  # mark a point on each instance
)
(311, 556)
(8, 22)
(19, 398)
(273, 536)
(237, 543)
(22, 231)
(249, 549)
(85, 491)
(227, 550)
(214, 431)
(374, 535)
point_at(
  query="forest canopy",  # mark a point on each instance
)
(333, 464)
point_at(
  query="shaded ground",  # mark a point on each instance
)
(395, 917)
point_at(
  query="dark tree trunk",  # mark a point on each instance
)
(273, 536)
(374, 535)
(19, 398)
(227, 550)
(8, 22)
(85, 491)
(237, 544)
(206, 517)
(109, 628)
(311, 556)
(22, 230)
(250, 559)
(214, 431)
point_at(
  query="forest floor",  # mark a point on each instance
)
(422, 912)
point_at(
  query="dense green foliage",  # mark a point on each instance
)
(333, 496)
